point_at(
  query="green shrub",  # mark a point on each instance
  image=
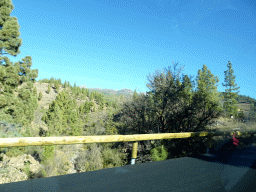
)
(43, 173)
(35, 91)
(159, 153)
(27, 170)
(90, 160)
(48, 153)
(40, 96)
(49, 89)
(113, 158)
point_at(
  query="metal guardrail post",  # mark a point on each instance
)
(134, 152)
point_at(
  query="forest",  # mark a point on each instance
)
(174, 104)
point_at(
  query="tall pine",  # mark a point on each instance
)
(13, 75)
(207, 90)
(230, 101)
(9, 44)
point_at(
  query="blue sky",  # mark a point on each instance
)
(116, 44)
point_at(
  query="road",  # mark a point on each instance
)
(229, 171)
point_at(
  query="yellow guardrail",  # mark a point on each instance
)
(68, 140)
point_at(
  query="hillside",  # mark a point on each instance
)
(244, 102)
(96, 122)
(50, 108)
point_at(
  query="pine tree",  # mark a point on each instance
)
(12, 75)
(135, 95)
(187, 93)
(25, 73)
(57, 86)
(230, 97)
(40, 96)
(207, 90)
(35, 91)
(9, 30)
(59, 81)
(65, 84)
(51, 80)
(63, 116)
(49, 89)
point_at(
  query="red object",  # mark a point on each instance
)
(235, 140)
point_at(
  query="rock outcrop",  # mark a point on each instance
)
(17, 168)
(20, 168)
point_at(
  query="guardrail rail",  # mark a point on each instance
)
(68, 140)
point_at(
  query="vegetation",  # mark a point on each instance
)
(230, 105)
(172, 105)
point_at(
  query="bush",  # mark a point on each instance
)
(113, 158)
(40, 96)
(11, 130)
(49, 150)
(41, 174)
(159, 153)
(90, 160)
(49, 89)
(96, 128)
(61, 163)
(27, 170)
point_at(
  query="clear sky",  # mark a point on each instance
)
(116, 44)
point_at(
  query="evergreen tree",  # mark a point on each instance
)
(35, 91)
(65, 84)
(20, 108)
(187, 92)
(85, 107)
(58, 118)
(135, 95)
(25, 73)
(40, 96)
(207, 90)
(85, 92)
(230, 97)
(59, 81)
(49, 89)
(57, 86)
(9, 79)
(63, 116)
(9, 30)
(51, 80)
